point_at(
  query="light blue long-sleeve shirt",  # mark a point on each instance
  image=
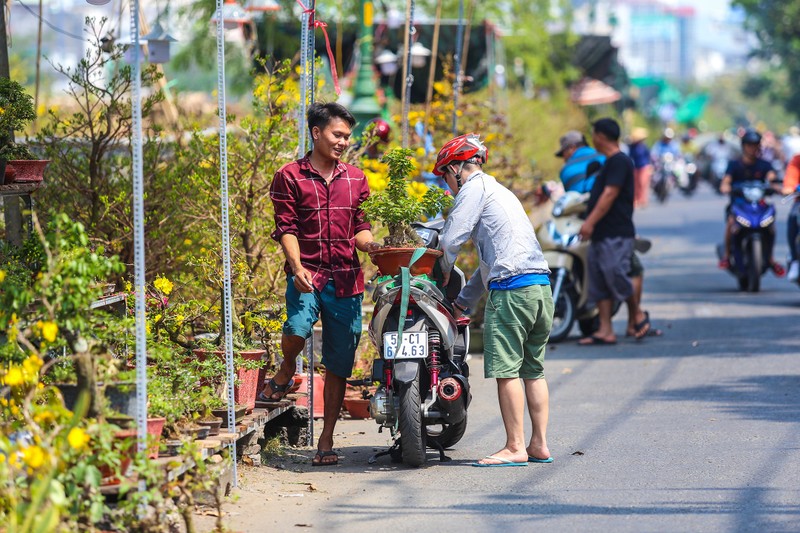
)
(503, 235)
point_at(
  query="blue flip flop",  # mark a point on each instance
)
(503, 462)
(532, 459)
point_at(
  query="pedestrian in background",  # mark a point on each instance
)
(642, 166)
(609, 225)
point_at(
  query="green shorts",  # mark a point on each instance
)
(516, 329)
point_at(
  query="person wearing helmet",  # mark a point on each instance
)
(666, 145)
(519, 310)
(749, 167)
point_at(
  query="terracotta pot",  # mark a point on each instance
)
(319, 399)
(154, 428)
(357, 407)
(125, 443)
(389, 260)
(28, 171)
(246, 391)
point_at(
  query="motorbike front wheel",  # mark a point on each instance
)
(410, 424)
(755, 264)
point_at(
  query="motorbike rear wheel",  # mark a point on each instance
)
(449, 435)
(410, 424)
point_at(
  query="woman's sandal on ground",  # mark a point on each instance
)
(320, 458)
(283, 390)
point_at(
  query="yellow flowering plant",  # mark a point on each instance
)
(399, 204)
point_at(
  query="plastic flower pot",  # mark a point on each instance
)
(357, 407)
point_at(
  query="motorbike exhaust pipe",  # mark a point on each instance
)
(450, 389)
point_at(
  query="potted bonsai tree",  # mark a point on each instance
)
(396, 209)
(17, 112)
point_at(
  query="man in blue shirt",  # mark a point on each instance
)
(578, 155)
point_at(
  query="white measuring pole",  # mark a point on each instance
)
(138, 237)
(226, 236)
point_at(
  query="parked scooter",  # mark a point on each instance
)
(423, 391)
(753, 233)
(566, 256)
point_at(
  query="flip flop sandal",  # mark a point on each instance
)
(643, 327)
(322, 455)
(283, 390)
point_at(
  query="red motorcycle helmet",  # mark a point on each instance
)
(381, 129)
(462, 148)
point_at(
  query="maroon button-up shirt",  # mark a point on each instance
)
(325, 219)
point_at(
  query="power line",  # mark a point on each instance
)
(51, 26)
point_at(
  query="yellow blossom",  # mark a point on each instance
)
(163, 284)
(157, 317)
(77, 438)
(128, 286)
(179, 318)
(13, 377)
(33, 456)
(187, 242)
(2, 276)
(49, 331)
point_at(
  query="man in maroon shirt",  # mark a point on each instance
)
(319, 224)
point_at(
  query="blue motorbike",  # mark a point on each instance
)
(753, 234)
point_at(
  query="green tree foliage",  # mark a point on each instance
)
(775, 24)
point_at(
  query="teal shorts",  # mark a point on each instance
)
(341, 323)
(515, 332)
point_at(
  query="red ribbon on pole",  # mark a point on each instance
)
(320, 24)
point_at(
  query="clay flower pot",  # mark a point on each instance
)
(389, 260)
(246, 391)
(28, 171)
(357, 407)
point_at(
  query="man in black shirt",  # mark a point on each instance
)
(610, 227)
(749, 168)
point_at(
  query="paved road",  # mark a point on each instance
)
(698, 430)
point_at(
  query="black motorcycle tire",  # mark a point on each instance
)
(410, 424)
(564, 316)
(661, 190)
(755, 264)
(450, 434)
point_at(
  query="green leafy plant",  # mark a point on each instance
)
(395, 208)
(16, 112)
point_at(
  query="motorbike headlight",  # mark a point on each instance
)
(742, 221)
(767, 221)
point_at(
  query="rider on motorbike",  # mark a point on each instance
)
(750, 167)
(791, 181)
(666, 145)
(519, 311)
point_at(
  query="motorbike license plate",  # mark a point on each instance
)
(415, 345)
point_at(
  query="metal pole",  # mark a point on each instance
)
(310, 57)
(408, 76)
(457, 61)
(226, 236)
(138, 237)
(432, 71)
(310, 356)
(301, 144)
